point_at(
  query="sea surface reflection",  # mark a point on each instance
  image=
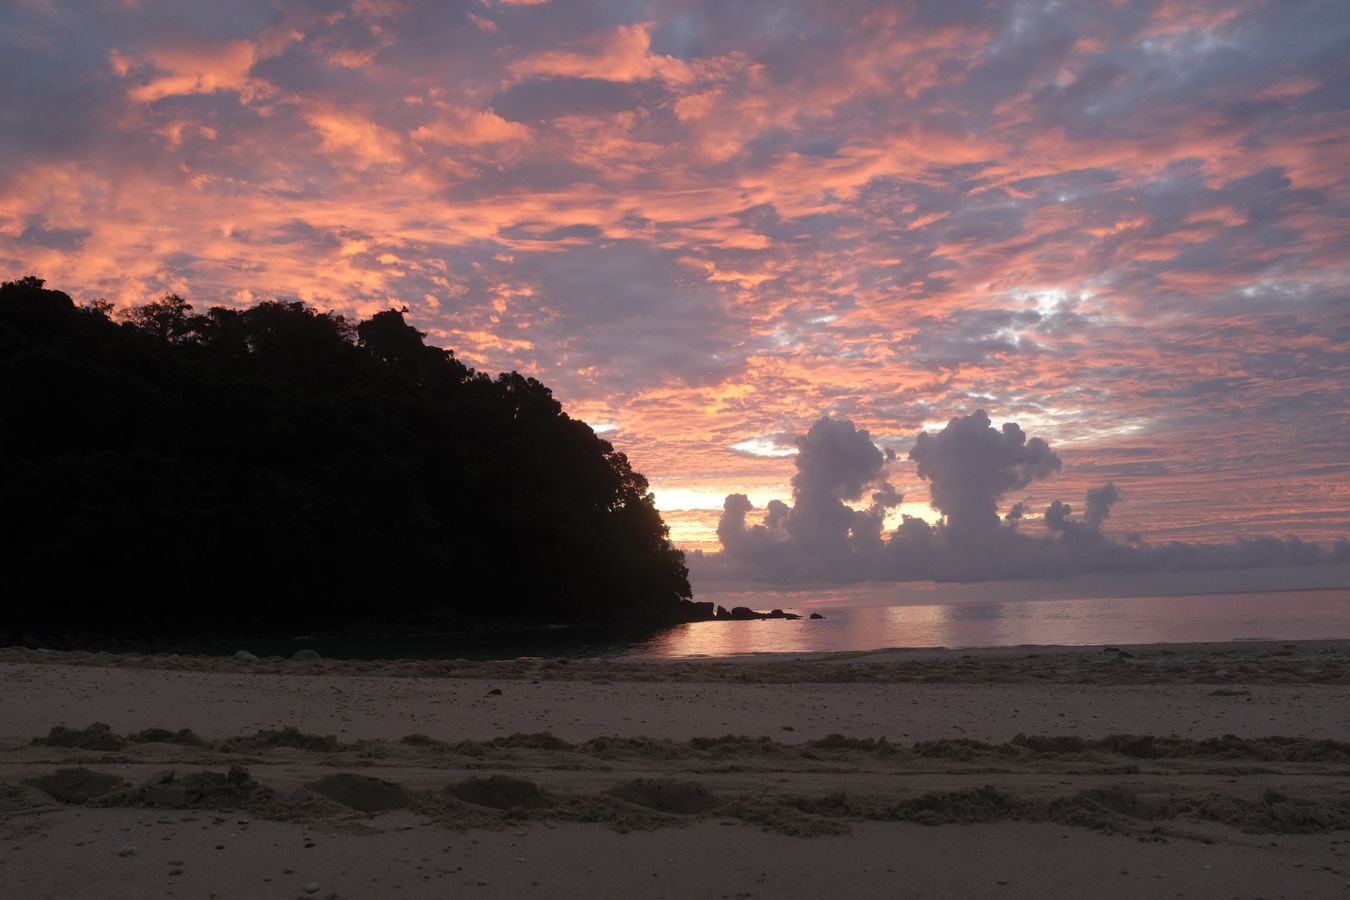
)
(1276, 615)
(873, 617)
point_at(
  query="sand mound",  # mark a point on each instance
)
(739, 745)
(1051, 744)
(1273, 814)
(1119, 800)
(97, 736)
(362, 792)
(682, 798)
(783, 817)
(879, 746)
(185, 736)
(285, 737)
(982, 804)
(217, 790)
(500, 792)
(76, 785)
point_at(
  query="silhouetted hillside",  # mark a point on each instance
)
(276, 469)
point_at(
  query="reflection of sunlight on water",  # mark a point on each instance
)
(1210, 617)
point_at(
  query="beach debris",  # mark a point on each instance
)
(127, 851)
(97, 736)
(77, 785)
(495, 692)
(311, 887)
(361, 792)
(1231, 692)
(306, 654)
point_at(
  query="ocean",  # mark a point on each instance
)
(1083, 611)
(854, 620)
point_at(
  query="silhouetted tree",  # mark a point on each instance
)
(279, 469)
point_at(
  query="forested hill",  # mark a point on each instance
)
(277, 470)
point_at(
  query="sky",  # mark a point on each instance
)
(709, 226)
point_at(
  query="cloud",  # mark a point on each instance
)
(623, 55)
(970, 467)
(454, 127)
(1120, 224)
(1099, 503)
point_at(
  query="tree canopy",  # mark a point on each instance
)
(275, 469)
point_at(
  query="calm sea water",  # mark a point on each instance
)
(870, 617)
(853, 623)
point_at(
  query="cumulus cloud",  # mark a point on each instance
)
(835, 463)
(971, 467)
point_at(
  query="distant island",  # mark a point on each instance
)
(279, 470)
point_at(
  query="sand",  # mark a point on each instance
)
(1194, 771)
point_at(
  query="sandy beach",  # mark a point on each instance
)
(1217, 770)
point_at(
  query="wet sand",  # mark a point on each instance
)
(1195, 771)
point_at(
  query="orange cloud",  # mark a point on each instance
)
(623, 55)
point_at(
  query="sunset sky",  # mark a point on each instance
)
(1123, 225)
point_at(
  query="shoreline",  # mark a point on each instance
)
(1196, 770)
(1330, 649)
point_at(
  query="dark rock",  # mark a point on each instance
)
(816, 616)
(743, 613)
(306, 654)
(722, 613)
